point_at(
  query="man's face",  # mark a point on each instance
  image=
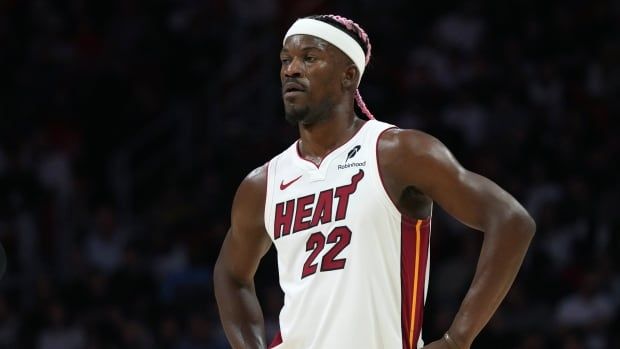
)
(310, 74)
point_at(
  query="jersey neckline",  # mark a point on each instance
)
(331, 153)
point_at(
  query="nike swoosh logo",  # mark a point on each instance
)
(286, 185)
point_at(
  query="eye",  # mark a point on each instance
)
(285, 60)
(310, 59)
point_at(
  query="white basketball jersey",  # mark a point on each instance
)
(354, 270)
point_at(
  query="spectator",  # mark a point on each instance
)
(60, 333)
(105, 244)
(589, 308)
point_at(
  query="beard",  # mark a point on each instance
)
(295, 114)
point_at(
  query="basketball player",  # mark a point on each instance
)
(348, 208)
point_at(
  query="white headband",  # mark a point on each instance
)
(334, 36)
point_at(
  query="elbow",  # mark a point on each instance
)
(524, 223)
(225, 280)
(514, 221)
(530, 225)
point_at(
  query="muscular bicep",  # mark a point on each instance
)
(471, 198)
(246, 241)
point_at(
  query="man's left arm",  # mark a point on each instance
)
(480, 204)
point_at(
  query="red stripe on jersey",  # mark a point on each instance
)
(277, 340)
(414, 253)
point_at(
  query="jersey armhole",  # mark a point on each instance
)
(390, 201)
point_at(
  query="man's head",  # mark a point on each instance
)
(323, 59)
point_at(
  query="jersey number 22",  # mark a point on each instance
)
(340, 237)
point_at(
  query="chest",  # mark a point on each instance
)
(307, 196)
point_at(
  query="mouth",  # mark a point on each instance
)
(292, 88)
(291, 94)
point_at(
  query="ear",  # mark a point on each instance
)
(350, 77)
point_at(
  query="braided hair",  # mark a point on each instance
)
(360, 36)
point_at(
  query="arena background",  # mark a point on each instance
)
(126, 126)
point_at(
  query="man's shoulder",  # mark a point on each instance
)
(249, 200)
(410, 142)
(257, 178)
(414, 158)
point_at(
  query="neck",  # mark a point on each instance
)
(319, 139)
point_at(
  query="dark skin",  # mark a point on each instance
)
(418, 170)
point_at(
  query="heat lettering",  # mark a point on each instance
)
(343, 193)
(284, 218)
(303, 211)
(323, 210)
(295, 213)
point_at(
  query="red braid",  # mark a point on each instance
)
(354, 27)
(362, 105)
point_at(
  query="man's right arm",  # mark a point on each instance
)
(245, 244)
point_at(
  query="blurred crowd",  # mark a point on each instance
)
(126, 125)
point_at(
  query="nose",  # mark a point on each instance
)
(293, 69)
